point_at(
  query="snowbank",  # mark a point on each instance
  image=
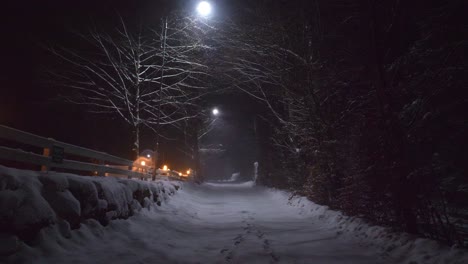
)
(208, 223)
(31, 201)
(397, 247)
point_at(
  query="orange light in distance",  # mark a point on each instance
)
(143, 163)
(165, 168)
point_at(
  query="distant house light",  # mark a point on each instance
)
(143, 163)
(165, 168)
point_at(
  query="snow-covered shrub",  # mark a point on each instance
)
(31, 201)
(23, 210)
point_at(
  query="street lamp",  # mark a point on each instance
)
(215, 111)
(204, 8)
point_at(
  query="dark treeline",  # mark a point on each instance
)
(367, 106)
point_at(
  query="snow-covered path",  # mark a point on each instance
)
(234, 223)
(214, 223)
(241, 224)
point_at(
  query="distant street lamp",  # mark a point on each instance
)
(215, 111)
(204, 8)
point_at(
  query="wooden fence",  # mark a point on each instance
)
(54, 154)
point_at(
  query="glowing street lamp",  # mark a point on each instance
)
(165, 168)
(215, 111)
(143, 163)
(204, 8)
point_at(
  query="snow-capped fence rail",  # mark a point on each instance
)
(54, 152)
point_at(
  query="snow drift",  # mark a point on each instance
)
(31, 201)
(394, 247)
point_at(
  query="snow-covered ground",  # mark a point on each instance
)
(235, 223)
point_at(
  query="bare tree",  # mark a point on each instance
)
(145, 77)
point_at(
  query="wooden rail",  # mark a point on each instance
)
(54, 151)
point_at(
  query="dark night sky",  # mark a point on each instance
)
(28, 103)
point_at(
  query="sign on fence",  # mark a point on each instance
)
(58, 154)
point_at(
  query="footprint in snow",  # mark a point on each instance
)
(238, 239)
(260, 234)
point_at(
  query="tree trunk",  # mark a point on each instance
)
(136, 140)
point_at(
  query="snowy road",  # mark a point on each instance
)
(241, 224)
(214, 223)
(235, 223)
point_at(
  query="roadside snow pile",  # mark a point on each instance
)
(399, 247)
(31, 201)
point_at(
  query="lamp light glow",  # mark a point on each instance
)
(204, 8)
(215, 111)
(143, 163)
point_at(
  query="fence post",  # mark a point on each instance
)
(101, 170)
(130, 168)
(46, 152)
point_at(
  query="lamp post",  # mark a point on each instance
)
(204, 9)
(196, 147)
